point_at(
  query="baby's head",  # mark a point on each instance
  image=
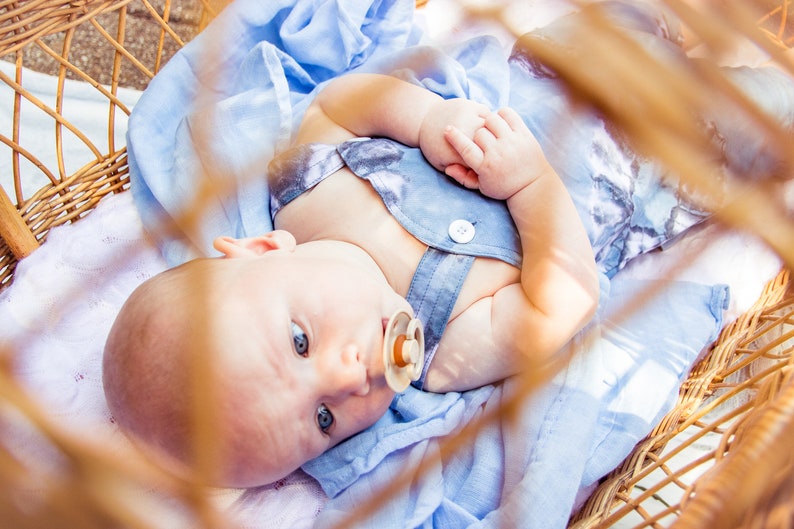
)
(292, 335)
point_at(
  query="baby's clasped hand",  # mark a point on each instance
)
(464, 114)
(501, 157)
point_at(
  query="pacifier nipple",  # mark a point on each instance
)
(403, 350)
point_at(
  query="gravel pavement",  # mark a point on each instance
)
(93, 54)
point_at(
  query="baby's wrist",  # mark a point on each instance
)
(531, 183)
(429, 123)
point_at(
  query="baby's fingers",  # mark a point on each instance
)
(463, 175)
(497, 125)
(512, 118)
(471, 154)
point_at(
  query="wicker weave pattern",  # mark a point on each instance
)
(745, 371)
(32, 20)
(96, 41)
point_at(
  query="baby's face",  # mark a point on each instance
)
(303, 358)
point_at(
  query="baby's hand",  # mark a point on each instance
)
(500, 158)
(464, 114)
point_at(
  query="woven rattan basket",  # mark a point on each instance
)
(740, 394)
(93, 41)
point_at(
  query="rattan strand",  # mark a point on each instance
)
(751, 353)
(58, 36)
(737, 393)
(25, 22)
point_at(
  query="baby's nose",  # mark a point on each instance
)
(347, 374)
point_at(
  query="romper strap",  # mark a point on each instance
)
(299, 169)
(432, 294)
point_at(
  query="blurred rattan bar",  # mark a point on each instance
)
(740, 394)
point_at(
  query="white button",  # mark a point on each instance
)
(461, 231)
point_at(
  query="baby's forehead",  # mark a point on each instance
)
(253, 337)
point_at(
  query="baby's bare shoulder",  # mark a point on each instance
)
(317, 127)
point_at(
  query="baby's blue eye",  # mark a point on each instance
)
(325, 419)
(299, 340)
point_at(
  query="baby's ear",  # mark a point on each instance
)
(253, 246)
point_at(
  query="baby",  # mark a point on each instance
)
(391, 201)
(298, 315)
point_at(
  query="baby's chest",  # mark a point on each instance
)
(397, 234)
(347, 208)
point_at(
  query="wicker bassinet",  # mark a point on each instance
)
(741, 393)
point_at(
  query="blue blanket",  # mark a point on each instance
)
(251, 75)
(532, 470)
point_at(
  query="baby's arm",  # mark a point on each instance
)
(497, 154)
(558, 292)
(357, 105)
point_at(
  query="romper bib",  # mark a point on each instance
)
(456, 224)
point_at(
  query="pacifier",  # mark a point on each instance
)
(403, 350)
